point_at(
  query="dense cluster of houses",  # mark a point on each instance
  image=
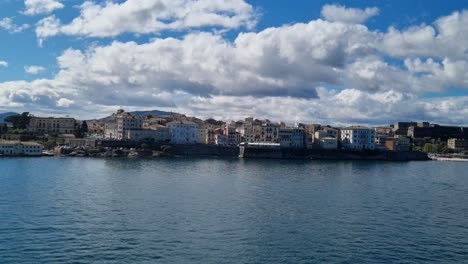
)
(179, 129)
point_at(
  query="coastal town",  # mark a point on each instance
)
(157, 132)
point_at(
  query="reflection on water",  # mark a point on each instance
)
(231, 211)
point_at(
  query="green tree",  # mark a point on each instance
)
(80, 129)
(427, 148)
(50, 144)
(3, 128)
(19, 121)
(84, 127)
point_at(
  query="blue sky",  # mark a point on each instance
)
(318, 61)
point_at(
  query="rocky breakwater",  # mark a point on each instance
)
(169, 150)
(105, 152)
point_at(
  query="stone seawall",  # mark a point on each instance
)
(128, 148)
(323, 154)
(201, 150)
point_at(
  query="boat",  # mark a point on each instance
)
(447, 157)
(47, 153)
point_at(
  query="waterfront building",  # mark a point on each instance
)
(311, 128)
(159, 135)
(51, 125)
(233, 137)
(291, 137)
(15, 148)
(326, 132)
(203, 135)
(381, 141)
(358, 137)
(457, 144)
(250, 132)
(328, 143)
(119, 123)
(183, 132)
(221, 140)
(269, 132)
(398, 143)
(309, 140)
(207, 135)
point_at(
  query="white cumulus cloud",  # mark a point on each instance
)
(35, 7)
(7, 24)
(3, 63)
(323, 71)
(344, 14)
(110, 18)
(34, 69)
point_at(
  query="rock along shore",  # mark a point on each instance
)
(200, 150)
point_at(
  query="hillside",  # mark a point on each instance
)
(151, 112)
(143, 113)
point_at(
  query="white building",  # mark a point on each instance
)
(159, 135)
(119, 123)
(12, 148)
(183, 132)
(358, 137)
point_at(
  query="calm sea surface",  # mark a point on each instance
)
(82, 210)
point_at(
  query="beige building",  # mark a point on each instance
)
(207, 136)
(95, 127)
(459, 144)
(51, 125)
(326, 132)
(251, 132)
(233, 137)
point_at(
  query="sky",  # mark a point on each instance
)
(341, 62)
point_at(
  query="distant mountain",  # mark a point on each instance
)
(3, 115)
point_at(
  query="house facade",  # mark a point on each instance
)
(183, 132)
(51, 125)
(358, 138)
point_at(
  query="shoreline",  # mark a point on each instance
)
(212, 151)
